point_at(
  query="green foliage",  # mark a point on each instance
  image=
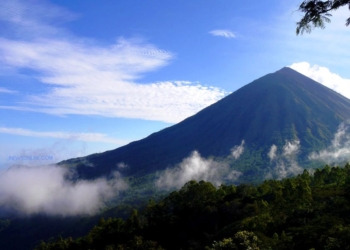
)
(317, 14)
(242, 240)
(303, 212)
(4, 224)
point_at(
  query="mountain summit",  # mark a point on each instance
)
(276, 108)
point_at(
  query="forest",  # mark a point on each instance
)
(308, 211)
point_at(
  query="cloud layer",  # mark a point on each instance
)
(46, 189)
(86, 78)
(196, 168)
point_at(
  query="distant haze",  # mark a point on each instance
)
(46, 189)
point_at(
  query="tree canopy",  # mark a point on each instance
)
(316, 14)
(308, 211)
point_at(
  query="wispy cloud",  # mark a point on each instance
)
(339, 150)
(223, 33)
(87, 137)
(325, 76)
(290, 149)
(197, 168)
(285, 164)
(46, 189)
(31, 22)
(272, 153)
(7, 91)
(89, 79)
(236, 151)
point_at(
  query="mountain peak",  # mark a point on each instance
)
(278, 107)
(290, 72)
(286, 69)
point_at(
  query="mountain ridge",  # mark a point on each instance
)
(278, 107)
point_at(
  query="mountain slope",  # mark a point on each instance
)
(281, 106)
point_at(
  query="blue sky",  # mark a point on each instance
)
(79, 77)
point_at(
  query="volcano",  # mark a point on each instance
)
(278, 107)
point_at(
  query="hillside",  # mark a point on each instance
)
(284, 109)
(276, 108)
(304, 212)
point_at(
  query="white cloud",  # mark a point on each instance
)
(284, 164)
(87, 137)
(236, 151)
(89, 79)
(339, 150)
(196, 168)
(324, 76)
(31, 21)
(223, 33)
(7, 91)
(122, 165)
(291, 148)
(272, 152)
(284, 169)
(46, 189)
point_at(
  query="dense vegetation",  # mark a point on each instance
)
(22, 232)
(303, 212)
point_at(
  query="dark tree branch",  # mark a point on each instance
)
(317, 14)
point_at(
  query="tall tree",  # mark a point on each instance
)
(317, 14)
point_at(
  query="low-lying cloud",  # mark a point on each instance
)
(272, 152)
(290, 149)
(197, 168)
(48, 190)
(285, 163)
(236, 151)
(339, 150)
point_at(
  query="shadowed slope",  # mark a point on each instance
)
(277, 107)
